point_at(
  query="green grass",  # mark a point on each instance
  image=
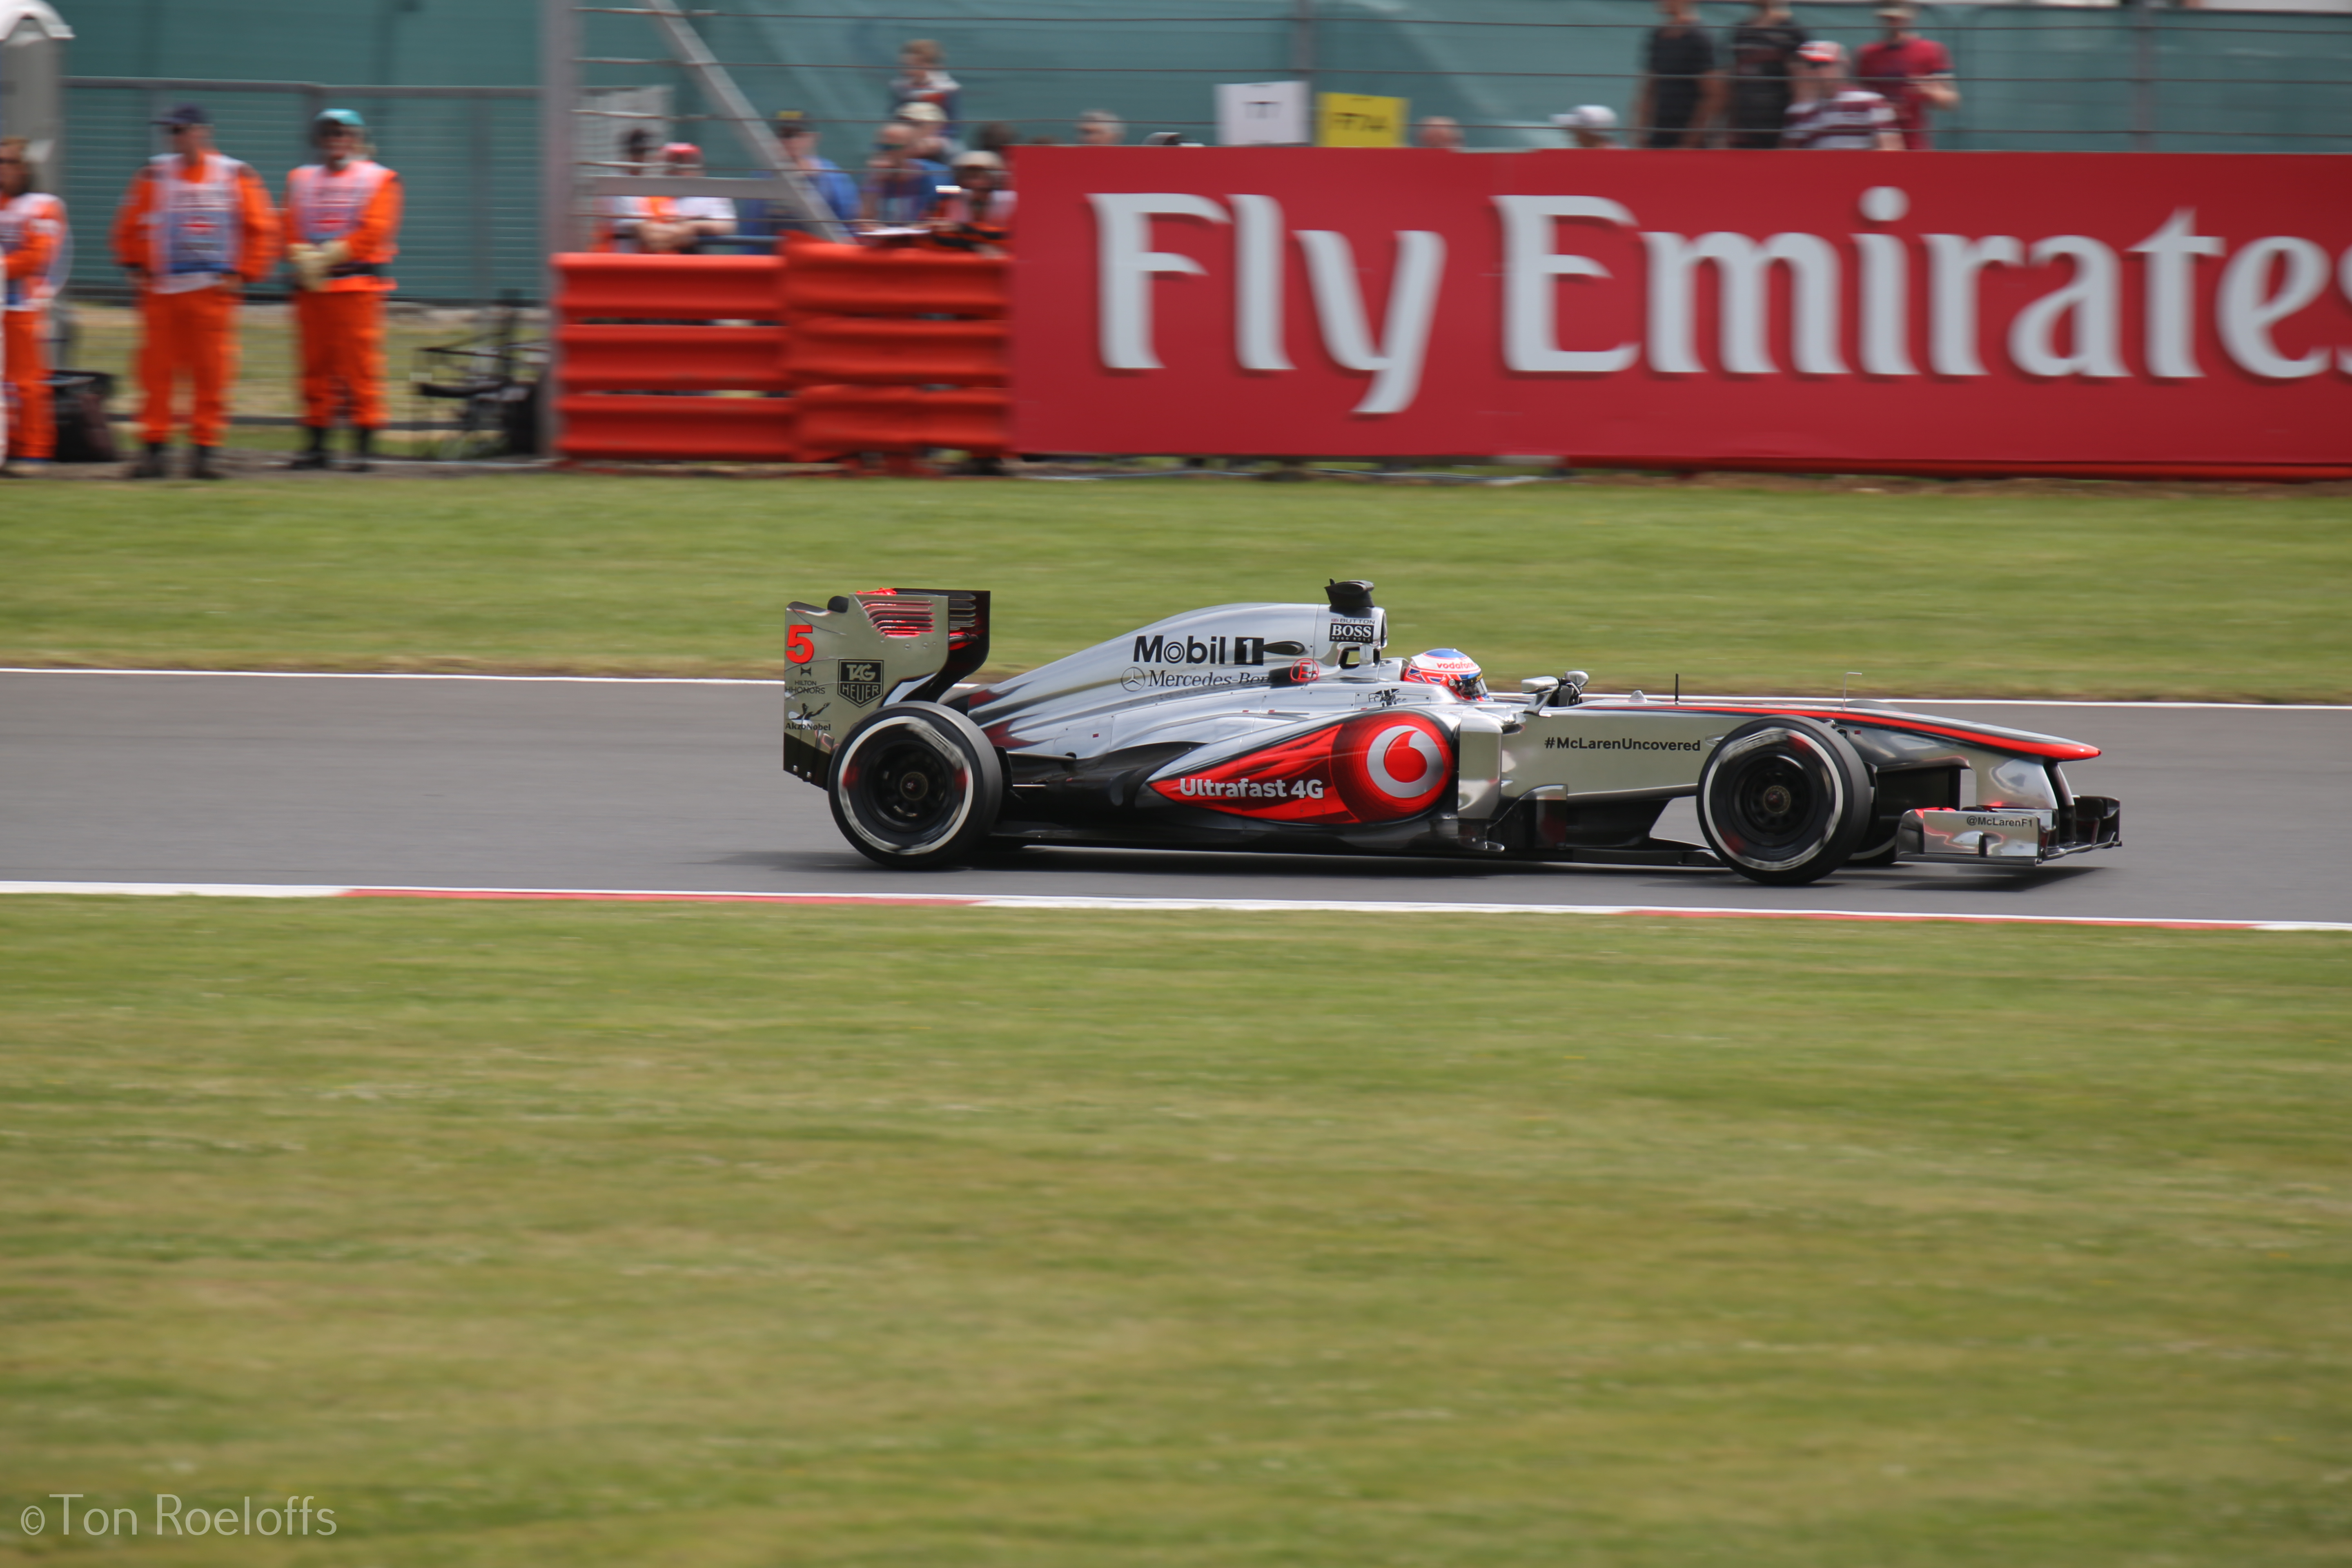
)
(627, 1235)
(2118, 594)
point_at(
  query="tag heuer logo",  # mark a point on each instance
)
(860, 683)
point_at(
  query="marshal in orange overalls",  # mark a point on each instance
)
(351, 213)
(33, 241)
(193, 230)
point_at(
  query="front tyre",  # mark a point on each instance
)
(917, 786)
(1784, 801)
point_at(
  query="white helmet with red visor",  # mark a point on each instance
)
(1449, 667)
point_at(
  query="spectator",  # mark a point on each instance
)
(995, 137)
(676, 226)
(920, 80)
(1100, 128)
(1680, 85)
(1829, 113)
(1762, 49)
(901, 188)
(796, 140)
(1914, 74)
(193, 229)
(979, 216)
(1592, 125)
(637, 144)
(617, 217)
(1438, 131)
(931, 131)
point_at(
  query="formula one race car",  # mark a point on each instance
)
(1284, 727)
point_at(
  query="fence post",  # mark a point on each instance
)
(1302, 51)
(559, 92)
(2144, 77)
(478, 192)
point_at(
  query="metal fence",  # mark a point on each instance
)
(467, 157)
(2033, 76)
(2062, 77)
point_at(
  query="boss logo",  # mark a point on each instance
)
(1361, 632)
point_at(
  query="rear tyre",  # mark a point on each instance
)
(917, 786)
(1784, 801)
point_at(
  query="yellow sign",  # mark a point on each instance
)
(1355, 120)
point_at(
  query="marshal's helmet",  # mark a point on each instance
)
(1449, 667)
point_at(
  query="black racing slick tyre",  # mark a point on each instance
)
(1784, 801)
(917, 786)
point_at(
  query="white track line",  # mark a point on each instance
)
(1050, 901)
(1902, 704)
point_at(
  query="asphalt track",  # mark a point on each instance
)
(2229, 812)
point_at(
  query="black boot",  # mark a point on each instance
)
(362, 449)
(200, 464)
(313, 455)
(150, 465)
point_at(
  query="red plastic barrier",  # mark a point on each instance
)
(684, 358)
(855, 280)
(743, 429)
(879, 351)
(590, 285)
(838, 420)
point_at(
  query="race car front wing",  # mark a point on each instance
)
(2010, 836)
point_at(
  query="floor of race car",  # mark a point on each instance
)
(2229, 812)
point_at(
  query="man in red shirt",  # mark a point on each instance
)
(1911, 73)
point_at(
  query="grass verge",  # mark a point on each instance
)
(2219, 595)
(627, 1233)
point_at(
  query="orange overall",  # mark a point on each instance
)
(341, 320)
(32, 239)
(197, 235)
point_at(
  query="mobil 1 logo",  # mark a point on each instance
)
(1217, 649)
(860, 682)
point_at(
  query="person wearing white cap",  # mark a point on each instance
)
(930, 123)
(1592, 125)
(1830, 114)
(979, 216)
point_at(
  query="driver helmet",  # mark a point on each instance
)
(1449, 667)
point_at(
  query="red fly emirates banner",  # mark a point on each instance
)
(2152, 313)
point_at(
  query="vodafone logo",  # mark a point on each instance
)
(1403, 760)
(1391, 765)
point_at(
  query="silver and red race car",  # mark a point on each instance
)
(1285, 727)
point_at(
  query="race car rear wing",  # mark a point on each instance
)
(860, 652)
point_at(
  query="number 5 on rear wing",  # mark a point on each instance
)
(861, 652)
